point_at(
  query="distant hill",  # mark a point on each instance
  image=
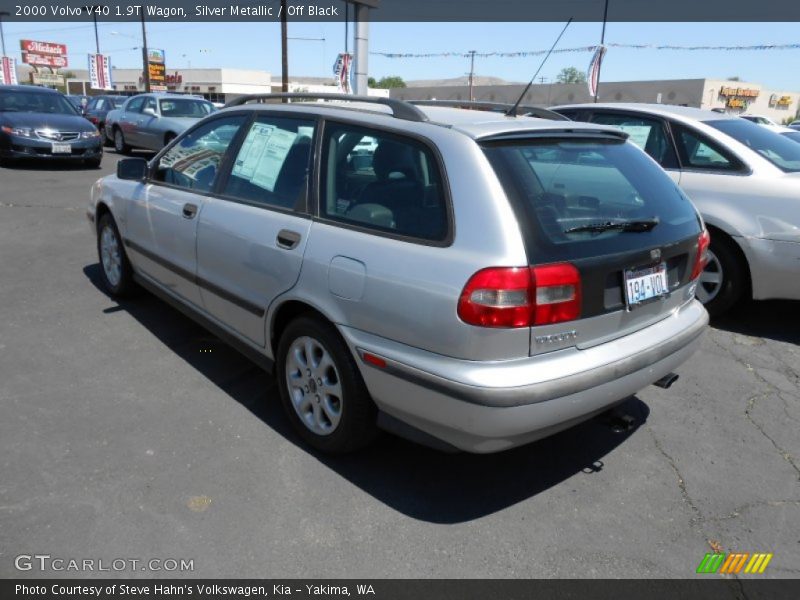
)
(476, 80)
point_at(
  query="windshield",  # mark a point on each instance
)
(781, 152)
(590, 197)
(185, 107)
(35, 102)
(117, 101)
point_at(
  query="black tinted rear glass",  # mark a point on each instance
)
(558, 185)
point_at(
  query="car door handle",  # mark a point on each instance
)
(189, 211)
(287, 239)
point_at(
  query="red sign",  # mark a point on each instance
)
(48, 48)
(43, 54)
(44, 61)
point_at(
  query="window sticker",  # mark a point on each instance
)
(263, 154)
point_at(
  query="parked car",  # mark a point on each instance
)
(151, 121)
(744, 179)
(98, 108)
(40, 123)
(760, 120)
(486, 282)
(792, 134)
(78, 101)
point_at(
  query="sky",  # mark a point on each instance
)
(257, 46)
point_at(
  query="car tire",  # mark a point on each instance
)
(107, 143)
(168, 138)
(321, 389)
(115, 269)
(119, 142)
(724, 281)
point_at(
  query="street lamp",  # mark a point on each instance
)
(3, 13)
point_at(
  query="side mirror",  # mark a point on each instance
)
(133, 169)
(150, 111)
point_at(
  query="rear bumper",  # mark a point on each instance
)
(488, 407)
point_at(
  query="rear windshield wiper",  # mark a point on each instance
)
(636, 226)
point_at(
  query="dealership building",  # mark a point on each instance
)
(736, 97)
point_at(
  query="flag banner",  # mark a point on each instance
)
(342, 71)
(100, 72)
(8, 70)
(593, 74)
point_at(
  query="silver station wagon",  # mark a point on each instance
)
(463, 278)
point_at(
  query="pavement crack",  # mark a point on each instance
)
(751, 402)
(737, 512)
(11, 205)
(687, 499)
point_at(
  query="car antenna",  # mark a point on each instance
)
(512, 112)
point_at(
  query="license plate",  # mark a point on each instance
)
(61, 148)
(644, 284)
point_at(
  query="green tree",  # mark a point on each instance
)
(734, 78)
(571, 75)
(371, 82)
(393, 81)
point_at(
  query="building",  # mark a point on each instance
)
(736, 97)
(216, 85)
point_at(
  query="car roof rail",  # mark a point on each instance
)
(400, 109)
(533, 111)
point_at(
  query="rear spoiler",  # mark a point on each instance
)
(565, 132)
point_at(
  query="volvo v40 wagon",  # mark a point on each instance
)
(463, 278)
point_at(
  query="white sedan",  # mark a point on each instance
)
(744, 180)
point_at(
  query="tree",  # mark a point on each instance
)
(393, 81)
(571, 75)
(734, 78)
(371, 82)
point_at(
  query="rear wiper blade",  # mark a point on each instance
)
(636, 226)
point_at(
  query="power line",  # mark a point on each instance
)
(526, 53)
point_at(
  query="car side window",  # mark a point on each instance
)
(272, 165)
(150, 104)
(647, 133)
(135, 105)
(700, 152)
(382, 181)
(194, 161)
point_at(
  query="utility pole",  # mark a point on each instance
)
(3, 13)
(284, 51)
(145, 62)
(602, 42)
(471, 73)
(95, 9)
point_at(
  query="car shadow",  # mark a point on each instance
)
(32, 164)
(772, 319)
(419, 482)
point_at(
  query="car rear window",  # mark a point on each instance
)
(561, 184)
(781, 152)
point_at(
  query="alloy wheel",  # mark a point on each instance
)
(314, 385)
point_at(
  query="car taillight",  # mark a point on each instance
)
(521, 296)
(701, 259)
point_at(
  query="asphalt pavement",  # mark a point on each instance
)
(128, 432)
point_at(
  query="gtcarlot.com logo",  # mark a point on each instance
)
(46, 562)
(734, 563)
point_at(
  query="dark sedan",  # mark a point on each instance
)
(40, 123)
(99, 107)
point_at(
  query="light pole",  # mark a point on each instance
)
(145, 63)
(602, 41)
(95, 9)
(284, 51)
(3, 13)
